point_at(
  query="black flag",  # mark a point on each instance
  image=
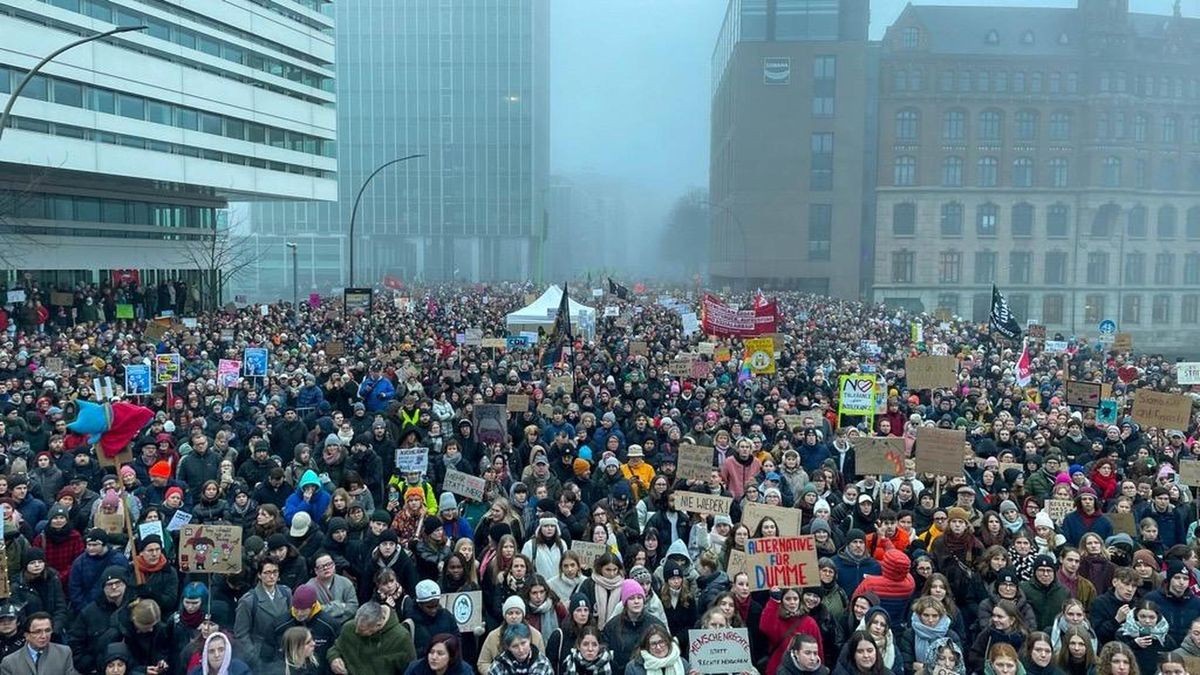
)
(1003, 322)
(617, 289)
(561, 338)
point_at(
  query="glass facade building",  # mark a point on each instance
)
(463, 82)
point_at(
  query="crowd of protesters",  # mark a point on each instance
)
(346, 560)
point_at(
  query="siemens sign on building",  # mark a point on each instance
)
(122, 152)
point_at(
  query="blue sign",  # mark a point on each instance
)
(137, 380)
(1108, 327)
(255, 362)
(514, 342)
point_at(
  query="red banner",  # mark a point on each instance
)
(126, 276)
(723, 321)
(392, 282)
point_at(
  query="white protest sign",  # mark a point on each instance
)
(464, 484)
(412, 460)
(178, 520)
(719, 650)
(1187, 372)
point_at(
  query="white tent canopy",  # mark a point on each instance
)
(541, 312)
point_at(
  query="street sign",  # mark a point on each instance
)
(1108, 327)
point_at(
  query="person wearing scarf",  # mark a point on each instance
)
(957, 545)
(1087, 517)
(657, 655)
(1010, 517)
(877, 624)
(589, 656)
(543, 608)
(61, 542)
(782, 619)
(930, 625)
(520, 656)
(604, 587)
(1145, 631)
(625, 632)
(160, 581)
(194, 606)
(1104, 479)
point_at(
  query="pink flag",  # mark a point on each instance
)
(1024, 365)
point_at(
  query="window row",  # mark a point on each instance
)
(89, 97)
(1141, 127)
(1147, 85)
(1099, 271)
(73, 208)
(1023, 217)
(910, 78)
(987, 172)
(989, 125)
(1164, 175)
(1133, 307)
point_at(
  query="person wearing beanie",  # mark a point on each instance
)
(1176, 601)
(87, 568)
(546, 547)
(61, 542)
(453, 522)
(679, 603)
(513, 611)
(1011, 518)
(853, 563)
(1145, 564)
(160, 580)
(560, 642)
(92, 628)
(37, 586)
(1087, 517)
(823, 537)
(1044, 593)
(411, 513)
(958, 544)
(1007, 586)
(894, 586)
(623, 633)
(306, 611)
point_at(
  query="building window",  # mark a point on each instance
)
(946, 81)
(1097, 267)
(824, 67)
(904, 219)
(1193, 223)
(1052, 308)
(989, 125)
(1189, 310)
(986, 216)
(948, 302)
(910, 37)
(1195, 129)
(1056, 268)
(1136, 223)
(950, 267)
(1103, 128)
(1135, 268)
(821, 175)
(904, 172)
(1160, 311)
(1059, 172)
(952, 219)
(1112, 171)
(954, 125)
(1019, 82)
(1166, 222)
(1170, 129)
(1027, 122)
(1018, 304)
(903, 267)
(820, 231)
(1022, 220)
(1118, 127)
(1020, 267)
(952, 172)
(988, 171)
(1191, 269)
(1140, 173)
(908, 125)
(1141, 127)
(1194, 175)
(1131, 309)
(1060, 126)
(985, 267)
(1022, 172)
(1035, 82)
(1093, 308)
(1103, 225)
(1057, 217)
(1164, 269)
(1168, 175)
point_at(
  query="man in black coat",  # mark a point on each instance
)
(1108, 611)
(94, 627)
(428, 616)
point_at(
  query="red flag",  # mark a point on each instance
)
(1024, 365)
(392, 282)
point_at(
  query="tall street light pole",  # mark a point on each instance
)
(16, 93)
(295, 285)
(358, 198)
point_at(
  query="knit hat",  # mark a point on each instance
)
(126, 470)
(304, 597)
(578, 600)
(391, 536)
(430, 525)
(1043, 519)
(513, 602)
(820, 525)
(111, 500)
(1146, 558)
(895, 564)
(581, 467)
(113, 573)
(722, 519)
(772, 491)
(447, 503)
(174, 489)
(639, 573)
(195, 590)
(958, 513)
(1044, 560)
(58, 510)
(672, 569)
(337, 523)
(380, 516)
(631, 588)
(1007, 575)
(1176, 566)
(96, 534)
(414, 493)
(855, 534)
(32, 554)
(1008, 505)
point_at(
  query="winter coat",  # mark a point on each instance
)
(84, 585)
(338, 601)
(779, 632)
(491, 649)
(623, 634)
(983, 619)
(851, 571)
(61, 551)
(1179, 611)
(1046, 602)
(316, 507)
(894, 587)
(536, 664)
(983, 642)
(92, 631)
(195, 469)
(425, 626)
(1103, 616)
(384, 653)
(255, 621)
(43, 593)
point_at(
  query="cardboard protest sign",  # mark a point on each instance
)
(1165, 411)
(706, 348)
(588, 552)
(1082, 394)
(701, 369)
(490, 422)
(464, 484)
(412, 460)
(473, 337)
(493, 343)
(517, 403)
(452, 374)
(1122, 522)
(1189, 472)
(720, 650)
(940, 451)
(229, 373)
(335, 348)
(697, 502)
(1058, 509)
(857, 395)
(167, 367)
(212, 549)
(564, 383)
(680, 367)
(695, 462)
(154, 332)
(878, 456)
(466, 608)
(62, 299)
(1036, 331)
(638, 348)
(786, 562)
(1123, 342)
(787, 519)
(54, 364)
(931, 372)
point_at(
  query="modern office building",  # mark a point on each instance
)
(463, 82)
(792, 128)
(1055, 152)
(121, 154)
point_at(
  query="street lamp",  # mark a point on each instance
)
(358, 197)
(50, 57)
(295, 285)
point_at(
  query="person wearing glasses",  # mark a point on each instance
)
(334, 591)
(39, 654)
(658, 653)
(259, 611)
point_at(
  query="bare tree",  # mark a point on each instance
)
(220, 259)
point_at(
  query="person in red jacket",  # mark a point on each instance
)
(894, 587)
(61, 542)
(887, 536)
(782, 619)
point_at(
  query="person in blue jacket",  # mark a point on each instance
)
(376, 391)
(1087, 517)
(308, 497)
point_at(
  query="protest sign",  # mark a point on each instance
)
(517, 403)
(228, 373)
(698, 502)
(1187, 372)
(565, 383)
(124, 311)
(1082, 394)
(857, 395)
(178, 520)
(255, 359)
(17, 297)
(54, 364)
(1107, 412)
(1036, 331)
(695, 462)
(452, 374)
(719, 650)
(1158, 409)
(150, 528)
(154, 332)
(62, 299)
(787, 519)
(1058, 509)
(701, 369)
(490, 422)
(412, 460)
(611, 311)
(167, 367)
(1123, 342)
(878, 456)
(940, 451)
(137, 379)
(761, 354)
(1122, 523)
(638, 348)
(588, 552)
(464, 484)
(1056, 346)
(212, 549)
(1189, 472)
(494, 343)
(466, 608)
(931, 372)
(473, 337)
(786, 562)
(706, 348)
(335, 348)
(680, 367)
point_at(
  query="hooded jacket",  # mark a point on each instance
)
(894, 587)
(315, 507)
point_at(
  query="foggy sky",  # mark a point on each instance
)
(630, 84)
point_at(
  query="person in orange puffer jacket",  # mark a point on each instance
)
(894, 587)
(887, 536)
